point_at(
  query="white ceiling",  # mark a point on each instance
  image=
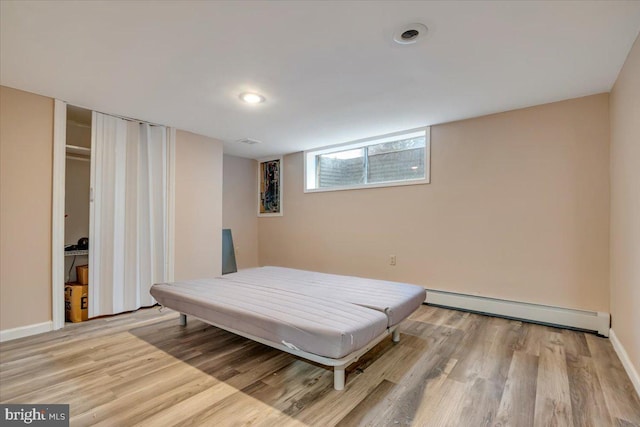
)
(329, 70)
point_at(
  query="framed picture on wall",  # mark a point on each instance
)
(270, 187)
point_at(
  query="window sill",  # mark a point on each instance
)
(365, 186)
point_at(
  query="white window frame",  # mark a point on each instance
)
(310, 156)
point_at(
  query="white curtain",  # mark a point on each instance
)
(127, 237)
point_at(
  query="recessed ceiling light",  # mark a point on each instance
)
(410, 33)
(252, 98)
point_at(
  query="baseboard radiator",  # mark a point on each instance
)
(592, 321)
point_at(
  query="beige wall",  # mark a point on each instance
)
(625, 206)
(198, 207)
(26, 147)
(26, 155)
(239, 207)
(517, 208)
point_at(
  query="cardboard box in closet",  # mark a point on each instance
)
(76, 302)
(82, 273)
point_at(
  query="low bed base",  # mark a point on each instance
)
(339, 365)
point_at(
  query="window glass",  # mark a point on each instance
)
(398, 159)
(341, 168)
(396, 166)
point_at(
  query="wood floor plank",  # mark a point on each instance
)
(434, 387)
(413, 354)
(533, 338)
(147, 389)
(365, 412)
(443, 409)
(335, 405)
(575, 343)
(496, 364)
(619, 394)
(180, 412)
(260, 371)
(292, 395)
(487, 352)
(429, 367)
(450, 368)
(624, 423)
(553, 396)
(142, 410)
(587, 399)
(481, 402)
(238, 409)
(517, 406)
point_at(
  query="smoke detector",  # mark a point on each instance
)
(248, 141)
(410, 34)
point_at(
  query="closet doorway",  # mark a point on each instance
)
(112, 210)
(76, 208)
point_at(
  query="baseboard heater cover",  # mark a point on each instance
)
(595, 321)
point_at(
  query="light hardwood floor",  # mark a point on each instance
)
(449, 369)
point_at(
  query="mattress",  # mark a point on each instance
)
(396, 300)
(319, 325)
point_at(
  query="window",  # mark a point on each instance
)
(397, 159)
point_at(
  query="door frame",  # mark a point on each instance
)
(57, 217)
(58, 208)
(171, 205)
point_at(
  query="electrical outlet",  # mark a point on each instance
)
(392, 260)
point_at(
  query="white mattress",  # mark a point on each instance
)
(396, 300)
(316, 325)
(324, 314)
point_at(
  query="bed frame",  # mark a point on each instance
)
(339, 365)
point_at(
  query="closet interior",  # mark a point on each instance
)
(76, 229)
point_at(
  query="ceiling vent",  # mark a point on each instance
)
(248, 141)
(410, 34)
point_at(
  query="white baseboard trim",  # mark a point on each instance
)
(581, 319)
(25, 331)
(626, 361)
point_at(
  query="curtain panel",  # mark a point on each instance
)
(128, 224)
